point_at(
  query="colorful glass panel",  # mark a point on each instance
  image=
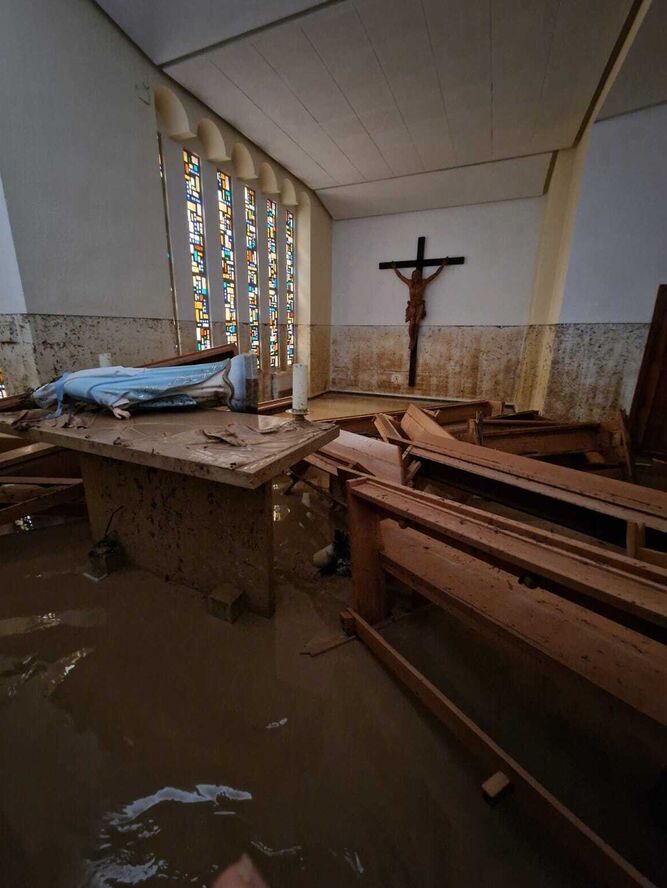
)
(195, 209)
(272, 252)
(253, 275)
(289, 283)
(227, 257)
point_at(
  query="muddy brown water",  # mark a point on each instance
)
(143, 741)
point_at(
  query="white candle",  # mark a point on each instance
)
(300, 388)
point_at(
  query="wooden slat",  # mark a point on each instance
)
(51, 481)
(24, 453)
(620, 661)
(205, 356)
(385, 426)
(604, 865)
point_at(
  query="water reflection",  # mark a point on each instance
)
(16, 672)
(203, 792)
(77, 618)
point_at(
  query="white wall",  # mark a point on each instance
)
(12, 300)
(498, 240)
(619, 248)
(78, 158)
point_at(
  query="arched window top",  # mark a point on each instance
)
(212, 141)
(171, 114)
(244, 165)
(268, 181)
(288, 196)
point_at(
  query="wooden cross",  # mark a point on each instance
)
(415, 311)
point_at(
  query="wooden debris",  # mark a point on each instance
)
(418, 426)
(496, 787)
(376, 457)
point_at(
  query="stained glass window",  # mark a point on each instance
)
(193, 197)
(253, 276)
(272, 252)
(227, 257)
(289, 283)
(3, 387)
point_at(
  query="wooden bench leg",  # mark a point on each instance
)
(368, 583)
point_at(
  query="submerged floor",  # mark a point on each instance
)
(142, 740)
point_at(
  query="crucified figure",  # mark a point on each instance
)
(415, 310)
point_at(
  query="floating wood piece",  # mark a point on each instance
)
(496, 787)
(604, 865)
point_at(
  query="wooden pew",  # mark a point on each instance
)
(419, 540)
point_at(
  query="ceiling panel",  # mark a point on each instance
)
(461, 39)
(169, 29)
(216, 90)
(339, 39)
(523, 36)
(292, 56)
(351, 92)
(480, 183)
(401, 41)
(252, 74)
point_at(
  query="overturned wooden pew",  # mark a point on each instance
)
(616, 511)
(443, 413)
(599, 444)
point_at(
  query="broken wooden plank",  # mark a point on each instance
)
(29, 479)
(385, 425)
(418, 426)
(377, 457)
(603, 863)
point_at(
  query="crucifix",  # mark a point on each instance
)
(415, 311)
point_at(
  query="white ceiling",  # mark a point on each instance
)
(378, 104)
